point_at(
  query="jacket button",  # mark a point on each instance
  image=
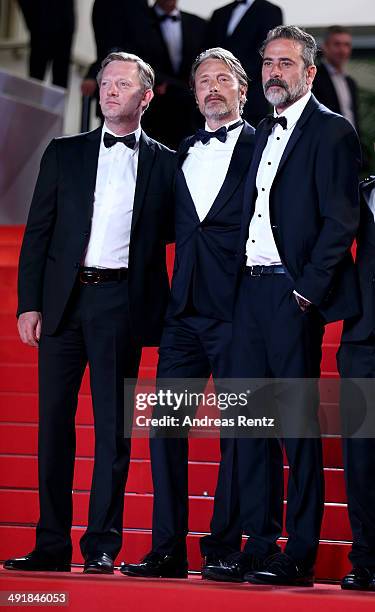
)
(200, 229)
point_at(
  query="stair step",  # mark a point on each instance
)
(332, 561)
(21, 472)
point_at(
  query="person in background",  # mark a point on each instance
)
(51, 27)
(171, 41)
(92, 290)
(356, 359)
(241, 27)
(116, 25)
(332, 86)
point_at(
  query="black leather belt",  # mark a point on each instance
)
(260, 270)
(94, 276)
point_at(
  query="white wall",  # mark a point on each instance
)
(299, 12)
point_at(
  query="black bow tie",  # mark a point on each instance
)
(129, 140)
(241, 1)
(221, 134)
(165, 17)
(271, 121)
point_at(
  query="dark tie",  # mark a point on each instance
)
(241, 1)
(165, 17)
(221, 134)
(129, 140)
(271, 121)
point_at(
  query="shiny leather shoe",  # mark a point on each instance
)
(232, 568)
(359, 579)
(101, 563)
(37, 562)
(282, 570)
(156, 565)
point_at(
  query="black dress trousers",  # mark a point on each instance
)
(95, 330)
(192, 347)
(273, 338)
(357, 360)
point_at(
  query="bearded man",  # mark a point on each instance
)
(301, 212)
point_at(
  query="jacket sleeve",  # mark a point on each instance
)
(39, 228)
(337, 167)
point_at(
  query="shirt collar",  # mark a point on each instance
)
(227, 125)
(332, 70)
(160, 12)
(293, 112)
(137, 134)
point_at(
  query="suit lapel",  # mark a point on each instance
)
(145, 162)
(239, 163)
(90, 167)
(310, 107)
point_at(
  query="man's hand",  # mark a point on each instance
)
(30, 327)
(88, 87)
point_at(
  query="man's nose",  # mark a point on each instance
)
(275, 71)
(112, 89)
(213, 85)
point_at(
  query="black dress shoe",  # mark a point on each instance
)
(101, 563)
(359, 579)
(37, 561)
(156, 565)
(231, 569)
(280, 569)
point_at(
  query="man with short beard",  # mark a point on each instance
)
(196, 340)
(300, 216)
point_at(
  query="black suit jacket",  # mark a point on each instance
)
(117, 24)
(360, 328)
(58, 231)
(314, 208)
(325, 92)
(174, 115)
(48, 16)
(245, 43)
(205, 262)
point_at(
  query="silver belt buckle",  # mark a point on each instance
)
(252, 273)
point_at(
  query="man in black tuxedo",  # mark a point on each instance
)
(241, 27)
(117, 25)
(332, 86)
(356, 359)
(51, 27)
(171, 40)
(296, 272)
(93, 289)
(212, 166)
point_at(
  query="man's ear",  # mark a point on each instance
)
(147, 97)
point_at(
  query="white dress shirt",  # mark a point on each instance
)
(113, 205)
(261, 248)
(342, 91)
(172, 34)
(237, 14)
(206, 167)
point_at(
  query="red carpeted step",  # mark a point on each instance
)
(21, 471)
(22, 507)
(25, 442)
(332, 561)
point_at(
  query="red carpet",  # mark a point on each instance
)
(117, 592)
(18, 487)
